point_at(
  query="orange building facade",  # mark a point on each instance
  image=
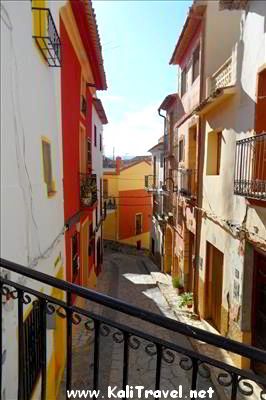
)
(128, 205)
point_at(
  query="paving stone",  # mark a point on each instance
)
(131, 277)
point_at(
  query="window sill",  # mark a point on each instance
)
(51, 194)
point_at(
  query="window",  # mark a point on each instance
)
(75, 256)
(146, 181)
(33, 349)
(83, 102)
(214, 153)
(161, 160)
(96, 216)
(180, 216)
(95, 135)
(183, 81)
(105, 188)
(47, 167)
(181, 150)
(101, 197)
(83, 150)
(154, 171)
(89, 152)
(138, 224)
(195, 69)
(260, 116)
(45, 33)
(101, 145)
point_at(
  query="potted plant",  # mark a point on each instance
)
(186, 300)
(177, 284)
(86, 195)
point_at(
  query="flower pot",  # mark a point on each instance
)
(189, 305)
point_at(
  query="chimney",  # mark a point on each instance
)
(118, 164)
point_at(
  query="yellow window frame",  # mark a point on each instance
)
(50, 186)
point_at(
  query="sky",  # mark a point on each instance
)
(138, 38)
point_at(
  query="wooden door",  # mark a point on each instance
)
(84, 245)
(259, 308)
(214, 285)
(217, 287)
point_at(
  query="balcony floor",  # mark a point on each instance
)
(129, 278)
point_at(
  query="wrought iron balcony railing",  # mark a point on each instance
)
(46, 36)
(111, 203)
(161, 352)
(187, 186)
(250, 167)
(150, 182)
(88, 189)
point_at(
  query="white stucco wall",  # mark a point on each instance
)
(30, 109)
(97, 168)
(235, 118)
(156, 231)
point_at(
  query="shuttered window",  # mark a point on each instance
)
(47, 166)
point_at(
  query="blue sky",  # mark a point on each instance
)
(138, 38)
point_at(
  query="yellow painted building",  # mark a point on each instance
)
(128, 205)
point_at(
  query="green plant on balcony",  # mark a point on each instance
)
(177, 284)
(86, 194)
(186, 300)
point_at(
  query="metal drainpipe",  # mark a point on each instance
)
(199, 176)
(163, 230)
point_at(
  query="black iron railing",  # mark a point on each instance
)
(250, 167)
(187, 183)
(150, 182)
(46, 36)
(157, 204)
(111, 203)
(162, 352)
(88, 189)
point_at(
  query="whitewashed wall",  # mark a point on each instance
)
(97, 167)
(30, 108)
(156, 231)
(236, 119)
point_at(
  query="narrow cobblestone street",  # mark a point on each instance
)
(129, 278)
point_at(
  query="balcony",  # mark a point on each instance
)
(223, 77)
(150, 183)
(163, 354)
(110, 203)
(250, 167)
(88, 189)
(157, 205)
(187, 183)
(46, 36)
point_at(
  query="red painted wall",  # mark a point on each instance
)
(70, 91)
(71, 119)
(129, 207)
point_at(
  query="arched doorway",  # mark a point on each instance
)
(168, 257)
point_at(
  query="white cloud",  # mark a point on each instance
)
(135, 133)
